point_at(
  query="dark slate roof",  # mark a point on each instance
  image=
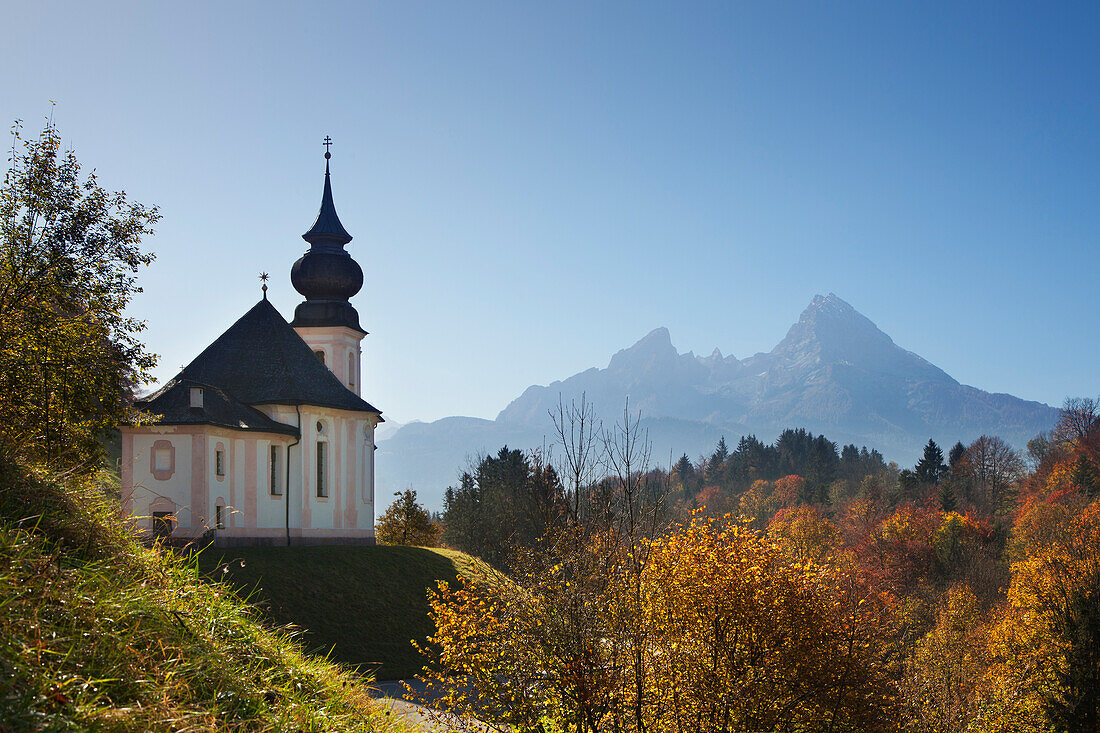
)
(327, 229)
(173, 405)
(261, 360)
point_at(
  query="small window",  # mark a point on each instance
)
(162, 459)
(196, 397)
(320, 427)
(219, 462)
(322, 488)
(219, 517)
(351, 371)
(276, 486)
(320, 355)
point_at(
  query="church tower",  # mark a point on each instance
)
(328, 277)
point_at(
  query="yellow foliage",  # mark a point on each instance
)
(711, 627)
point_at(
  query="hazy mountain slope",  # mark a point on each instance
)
(834, 372)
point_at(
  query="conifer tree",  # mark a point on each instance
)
(1084, 476)
(721, 453)
(930, 467)
(958, 451)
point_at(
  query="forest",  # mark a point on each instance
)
(785, 586)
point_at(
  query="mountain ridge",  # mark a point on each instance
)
(834, 372)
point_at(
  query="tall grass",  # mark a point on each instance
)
(98, 632)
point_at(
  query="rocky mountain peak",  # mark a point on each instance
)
(652, 350)
(830, 331)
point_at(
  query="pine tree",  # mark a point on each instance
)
(721, 453)
(958, 451)
(1084, 476)
(931, 467)
(946, 497)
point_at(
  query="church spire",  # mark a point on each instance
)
(326, 274)
(327, 230)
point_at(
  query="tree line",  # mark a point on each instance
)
(795, 585)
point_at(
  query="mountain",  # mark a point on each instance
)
(834, 372)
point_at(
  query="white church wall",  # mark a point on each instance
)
(349, 478)
(192, 481)
(342, 352)
(153, 487)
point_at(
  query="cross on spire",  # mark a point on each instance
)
(327, 143)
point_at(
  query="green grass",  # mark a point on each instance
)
(99, 633)
(361, 605)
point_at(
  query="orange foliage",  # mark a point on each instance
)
(788, 490)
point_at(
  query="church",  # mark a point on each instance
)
(265, 437)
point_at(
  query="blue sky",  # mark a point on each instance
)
(533, 186)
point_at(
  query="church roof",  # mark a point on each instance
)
(261, 360)
(327, 229)
(173, 405)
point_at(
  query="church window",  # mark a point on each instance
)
(276, 485)
(320, 355)
(322, 487)
(351, 372)
(219, 462)
(162, 460)
(219, 517)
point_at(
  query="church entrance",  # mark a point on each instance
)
(163, 523)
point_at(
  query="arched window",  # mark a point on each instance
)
(351, 372)
(320, 355)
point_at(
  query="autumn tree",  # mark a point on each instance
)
(753, 640)
(70, 357)
(1044, 672)
(946, 666)
(804, 532)
(406, 522)
(995, 467)
(1078, 422)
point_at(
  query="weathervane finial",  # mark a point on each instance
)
(327, 143)
(263, 279)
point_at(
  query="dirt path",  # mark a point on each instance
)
(392, 694)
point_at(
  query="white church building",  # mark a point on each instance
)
(265, 437)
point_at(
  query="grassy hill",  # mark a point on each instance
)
(361, 605)
(99, 633)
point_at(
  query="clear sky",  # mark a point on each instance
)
(533, 186)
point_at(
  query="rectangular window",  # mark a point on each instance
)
(219, 462)
(322, 488)
(162, 459)
(276, 486)
(219, 517)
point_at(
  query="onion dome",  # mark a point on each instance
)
(326, 274)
